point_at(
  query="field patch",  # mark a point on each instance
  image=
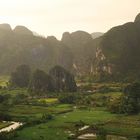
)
(48, 100)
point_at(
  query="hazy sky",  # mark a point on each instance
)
(53, 17)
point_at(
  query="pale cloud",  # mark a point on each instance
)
(53, 17)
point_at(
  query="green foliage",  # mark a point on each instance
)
(46, 117)
(62, 79)
(129, 106)
(104, 89)
(57, 128)
(5, 99)
(21, 77)
(68, 98)
(86, 87)
(79, 124)
(40, 83)
(130, 100)
(5, 116)
(4, 81)
(101, 134)
(114, 105)
(20, 98)
(120, 46)
(8, 136)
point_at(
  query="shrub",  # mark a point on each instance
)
(67, 98)
(21, 77)
(114, 105)
(8, 136)
(5, 116)
(47, 117)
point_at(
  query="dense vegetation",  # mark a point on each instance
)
(40, 83)
(58, 80)
(128, 103)
(58, 87)
(21, 77)
(53, 116)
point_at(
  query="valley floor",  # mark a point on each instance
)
(67, 119)
(63, 124)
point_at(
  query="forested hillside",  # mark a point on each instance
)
(112, 56)
(20, 46)
(118, 52)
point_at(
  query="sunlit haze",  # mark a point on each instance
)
(53, 17)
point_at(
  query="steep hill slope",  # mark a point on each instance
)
(83, 49)
(120, 51)
(20, 46)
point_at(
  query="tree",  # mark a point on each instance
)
(20, 98)
(62, 79)
(46, 117)
(130, 103)
(40, 83)
(21, 77)
(114, 105)
(67, 98)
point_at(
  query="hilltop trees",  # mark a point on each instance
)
(21, 77)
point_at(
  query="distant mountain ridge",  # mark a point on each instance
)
(113, 55)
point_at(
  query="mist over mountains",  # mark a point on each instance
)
(112, 55)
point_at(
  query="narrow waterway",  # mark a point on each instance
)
(11, 127)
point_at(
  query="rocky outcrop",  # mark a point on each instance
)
(118, 52)
(101, 64)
